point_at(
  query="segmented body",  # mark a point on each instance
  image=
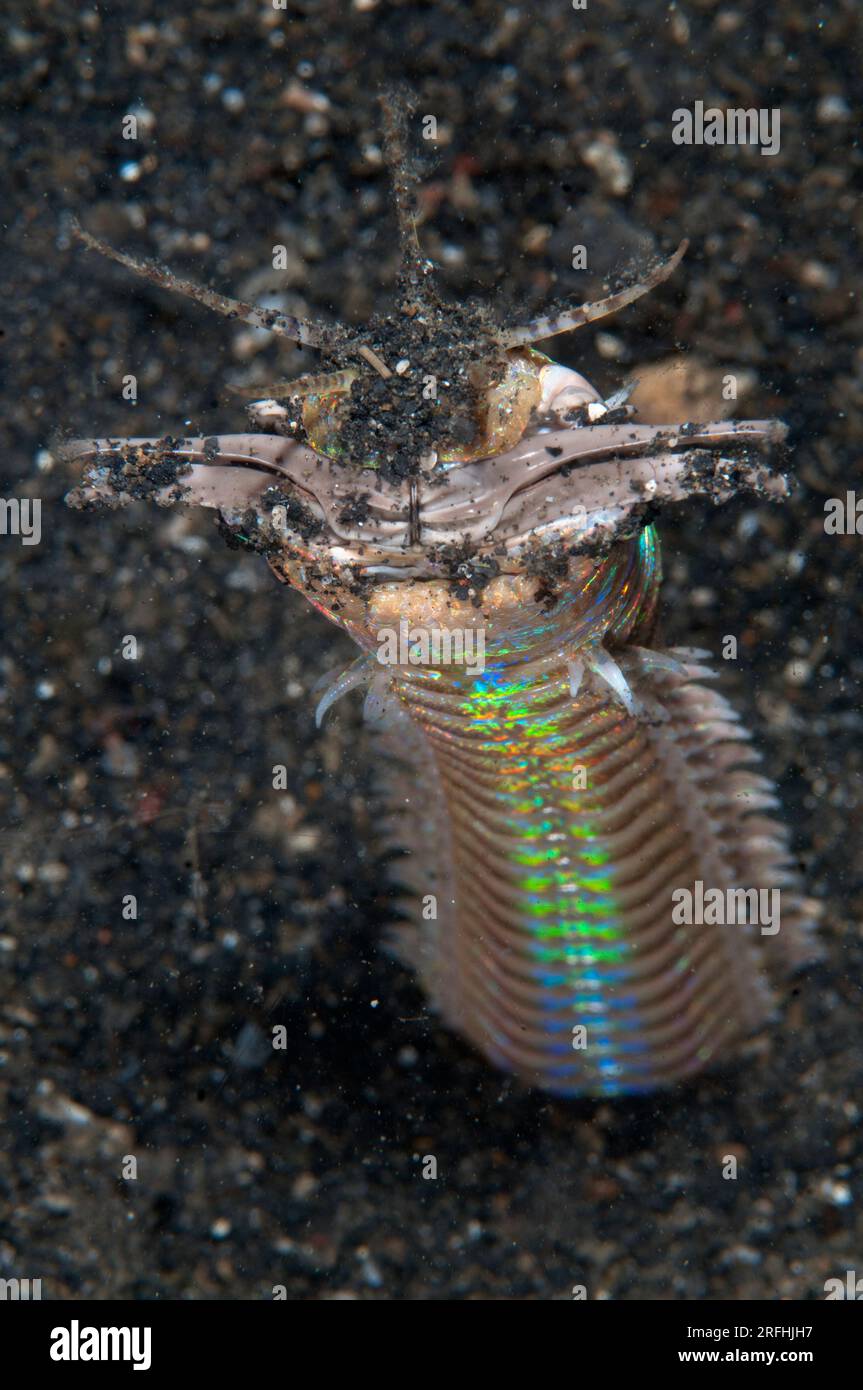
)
(552, 833)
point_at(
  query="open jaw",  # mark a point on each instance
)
(581, 489)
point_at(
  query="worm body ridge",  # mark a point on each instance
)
(550, 833)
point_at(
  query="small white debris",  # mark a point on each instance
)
(304, 841)
(402, 366)
(145, 118)
(370, 1270)
(838, 1193)
(740, 1255)
(832, 108)
(299, 98)
(609, 346)
(609, 163)
(815, 275)
(52, 873)
(798, 671)
(596, 410)
(233, 100)
(304, 1186)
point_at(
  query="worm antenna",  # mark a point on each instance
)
(568, 319)
(318, 384)
(298, 330)
(395, 108)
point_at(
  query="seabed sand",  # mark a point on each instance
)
(255, 908)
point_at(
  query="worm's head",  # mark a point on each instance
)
(440, 405)
(551, 533)
(440, 469)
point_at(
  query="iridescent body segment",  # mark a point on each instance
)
(569, 823)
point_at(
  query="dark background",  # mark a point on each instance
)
(151, 1037)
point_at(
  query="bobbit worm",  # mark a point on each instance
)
(480, 522)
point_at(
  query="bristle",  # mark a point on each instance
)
(359, 672)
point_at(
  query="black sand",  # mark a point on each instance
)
(153, 777)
